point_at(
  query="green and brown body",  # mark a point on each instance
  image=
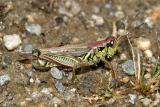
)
(74, 58)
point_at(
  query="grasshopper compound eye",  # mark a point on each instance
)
(36, 52)
(110, 41)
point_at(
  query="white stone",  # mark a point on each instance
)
(34, 29)
(56, 100)
(132, 98)
(149, 22)
(75, 8)
(56, 73)
(148, 53)
(46, 91)
(119, 14)
(143, 43)
(4, 79)
(146, 101)
(98, 20)
(31, 80)
(63, 11)
(96, 9)
(123, 56)
(147, 76)
(12, 41)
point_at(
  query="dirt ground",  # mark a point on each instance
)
(72, 22)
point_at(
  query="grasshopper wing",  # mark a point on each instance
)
(73, 50)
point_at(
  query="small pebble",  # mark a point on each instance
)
(132, 98)
(46, 92)
(119, 14)
(122, 32)
(137, 23)
(148, 53)
(9, 6)
(35, 95)
(69, 94)
(30, 18)
(59, 86)
(68, 3)
(98, 20)
(63, 11)
(146, 101)
(56, 73)
(31, 80)
(111, 101)
(28, 48)
(73, 6)
(143, 43)
(128, 67)
(6, 60)
(4, 79)
(37, 81)
(149, 22)
(10, 96)
(34, 29)
(125, 79)
(147, 76)
(156, 102)
(12, 41)
(75, 9)
(29, 73)
(123, 56)
(108, 6)
(59, 20)
(75, 40)
(56, 100)
(96, 9)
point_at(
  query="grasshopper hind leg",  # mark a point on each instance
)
(74, 76)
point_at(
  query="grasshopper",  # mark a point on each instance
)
(75, 57)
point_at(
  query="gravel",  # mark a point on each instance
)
(143, 43)
(137, 23)
(69, 94)
(75, 8)
(146, 101)
(46, 92)
(56, 73)
(6, 61)
(12, 41)
(59, 86)
(148, 53)
(4, 79)
(98, 20)
(34, 29)
(149, 22)
(28, 48)
(128, 67)
(56, 100)
(119, 14)
(132, 98)
(63, 11)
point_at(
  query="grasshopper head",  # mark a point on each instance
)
(112, 46)
(110, 41)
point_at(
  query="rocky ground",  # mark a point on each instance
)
(30, 24)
